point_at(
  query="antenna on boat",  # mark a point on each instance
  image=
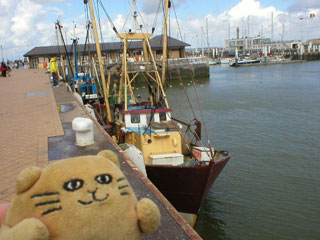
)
(135, 15)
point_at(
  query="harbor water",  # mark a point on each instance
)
(268, 117)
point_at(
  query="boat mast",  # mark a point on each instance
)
(135, 15)
(2, 54)
(125, 79)
(103, 79)
(164, 43)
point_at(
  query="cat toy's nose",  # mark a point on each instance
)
(94, 191)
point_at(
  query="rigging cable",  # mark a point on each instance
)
(141, 17)
(198, 101)
(99, 22)
(156, 17)
(174, 10)
(65, 48)
(86, 11)
(194, 115)
(57, 39)
(59, 52)
(85, 46)
(129, 12)
(185, 91)
(200, 109)
(92, 60)
(110, 21)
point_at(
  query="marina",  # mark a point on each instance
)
(270, 188)
(277, 104)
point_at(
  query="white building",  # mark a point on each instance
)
(260, 44)
(313, 45)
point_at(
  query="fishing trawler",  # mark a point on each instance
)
(176, 161)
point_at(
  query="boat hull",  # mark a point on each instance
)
(240, 63)
(186, 186)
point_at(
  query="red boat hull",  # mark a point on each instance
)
(185, 186)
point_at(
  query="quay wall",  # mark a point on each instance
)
(307, 56)
(187, 72)
(185, 68)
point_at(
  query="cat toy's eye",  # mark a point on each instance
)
(103, 179)
(73, 185)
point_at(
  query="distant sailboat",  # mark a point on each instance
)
(239, 61)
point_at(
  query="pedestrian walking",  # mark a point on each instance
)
(3, 69)
(53, 70)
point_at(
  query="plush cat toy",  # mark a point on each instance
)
(78, 198)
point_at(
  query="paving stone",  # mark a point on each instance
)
(28, 116)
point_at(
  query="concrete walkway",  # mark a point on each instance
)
(28, 116)
(32, 132)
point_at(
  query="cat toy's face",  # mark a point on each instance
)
(78, 197)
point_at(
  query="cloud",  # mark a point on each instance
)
(247, 8)
(193, 29)
(21, 26)
(26, 23)
(259, 20)
(56, 11)
(299, 5)
(151, 6)
(48, 1)
(179, 3)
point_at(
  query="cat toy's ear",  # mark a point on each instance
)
(27, 178)
(110, 155)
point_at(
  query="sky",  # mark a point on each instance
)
(26, 24)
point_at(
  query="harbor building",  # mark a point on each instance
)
(313, 45)
(246, 43)
(260, 44)
(111, 51)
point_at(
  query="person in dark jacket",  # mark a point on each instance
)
(3, 69)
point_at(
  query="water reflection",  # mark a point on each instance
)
(209, 224)
(268, 118)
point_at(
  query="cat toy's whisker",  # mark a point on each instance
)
(121, 179)
(51, 210)
(46, 203)
(124, 186)
(45, 194)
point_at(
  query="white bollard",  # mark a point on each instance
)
(84, 131)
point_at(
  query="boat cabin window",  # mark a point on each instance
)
(163, 116)
(135, 118)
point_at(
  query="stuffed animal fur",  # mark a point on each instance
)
(76, 199)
